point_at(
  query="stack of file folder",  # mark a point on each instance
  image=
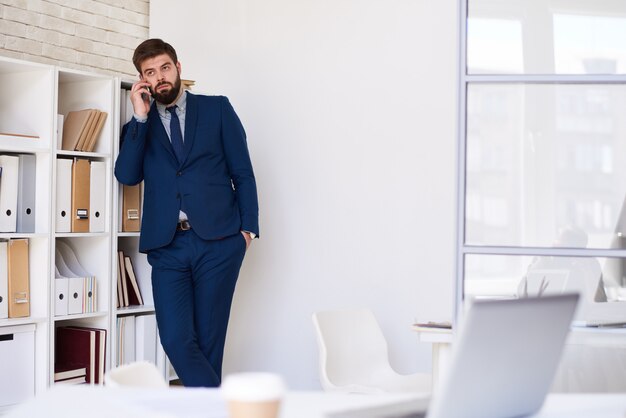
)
(79, 210)
(17, 192)
(136, 339)
(14, 279)
(81, 129)
(75, 289)
(80, 347)
(128, 291)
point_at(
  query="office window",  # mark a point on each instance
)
(550, 156)
(543, 151)
(546, 37)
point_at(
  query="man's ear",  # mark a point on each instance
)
(178, 66)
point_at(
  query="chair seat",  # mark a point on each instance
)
(353, 356)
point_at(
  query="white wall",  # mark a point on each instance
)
(350, 109)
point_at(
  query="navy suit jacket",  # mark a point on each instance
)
(214, 184)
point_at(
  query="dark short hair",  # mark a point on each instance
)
(151, 48)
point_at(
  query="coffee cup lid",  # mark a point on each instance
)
(252, 387)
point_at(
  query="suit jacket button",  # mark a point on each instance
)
(180, 173)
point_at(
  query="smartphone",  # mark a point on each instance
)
(146, 96)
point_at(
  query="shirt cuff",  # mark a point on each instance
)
(139, 119)
(252, 234)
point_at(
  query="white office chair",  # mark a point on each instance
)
(140, 374)
(353, 355)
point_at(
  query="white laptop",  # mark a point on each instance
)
(503, 362)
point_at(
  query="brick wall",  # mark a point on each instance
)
(91, 35)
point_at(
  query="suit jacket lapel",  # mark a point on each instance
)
(191, 119)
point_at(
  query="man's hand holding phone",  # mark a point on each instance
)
(140, 98)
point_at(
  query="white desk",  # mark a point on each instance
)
(594, 359)
(441, 339)
(98, 402)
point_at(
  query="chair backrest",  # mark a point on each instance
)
(140, 374)
(351, 345)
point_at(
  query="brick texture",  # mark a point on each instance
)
(91, 35)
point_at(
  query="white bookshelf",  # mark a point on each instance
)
(77, 90)
(31, 97)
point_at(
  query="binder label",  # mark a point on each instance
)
(82, 213)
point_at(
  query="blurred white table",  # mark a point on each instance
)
(441, 339)
(593, 360)
(100, 402)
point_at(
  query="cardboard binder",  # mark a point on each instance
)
(64, 196)
(91, 142)
(97, 206)
(86, 130)
(4, 283)
(131, 208)
(19, 288)
(89, 130)
(26, 193)
(9, 178)
(73, 127)
(80, 195)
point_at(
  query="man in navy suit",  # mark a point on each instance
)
(200, 209)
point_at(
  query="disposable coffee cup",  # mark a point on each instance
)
(253, 395)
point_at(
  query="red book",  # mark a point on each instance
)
(76, 346)
(100, 351)
(134, 294)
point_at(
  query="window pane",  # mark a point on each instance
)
(600, 281)
(546, 165)
(546, 37)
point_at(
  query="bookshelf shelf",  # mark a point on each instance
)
(80, 234)
(15, 144)
(82, 154)
(81, 316)
(15, 235)
(133, 310)
(23, 321)
(128, 234)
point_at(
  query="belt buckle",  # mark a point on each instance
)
(184, 226)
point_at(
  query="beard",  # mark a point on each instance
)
(168, 96)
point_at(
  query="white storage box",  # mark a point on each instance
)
(17, 364)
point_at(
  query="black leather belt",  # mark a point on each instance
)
(183, 226)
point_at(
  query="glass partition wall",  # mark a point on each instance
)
(542, 179)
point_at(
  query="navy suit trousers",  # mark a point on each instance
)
(193, 281)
